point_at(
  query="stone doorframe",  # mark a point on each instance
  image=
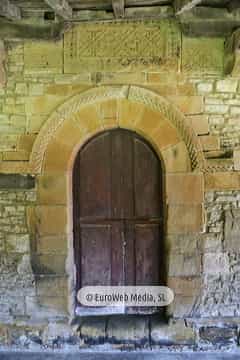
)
(74, 123)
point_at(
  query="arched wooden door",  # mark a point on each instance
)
(117, 201)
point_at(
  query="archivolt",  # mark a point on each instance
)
(133, 94)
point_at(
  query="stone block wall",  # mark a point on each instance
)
(17, 281)
(202, 206)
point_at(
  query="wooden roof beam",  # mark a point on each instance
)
(182, 6)
(9, 10)
(61, 8)
(118, 8)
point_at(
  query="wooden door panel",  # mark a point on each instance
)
(147, 181)
(122, 172)
(95, 178)
(147, 254)
(117, 254)
(117, 211)
(95, 255)
(130, 254)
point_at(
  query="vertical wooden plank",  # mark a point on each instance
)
(147, 254)
(95, 255)
(117, 254)
(95, 183)
(122, 171)
(130, 253)
(147, 181)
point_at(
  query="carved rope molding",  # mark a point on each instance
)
(133, 94)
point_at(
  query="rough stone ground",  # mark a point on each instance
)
(116, 356)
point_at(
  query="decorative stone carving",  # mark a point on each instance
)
(132, 94)
(122, 46)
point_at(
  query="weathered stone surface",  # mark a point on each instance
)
(93, 331)
(184, 219)
(202, 55)
(236, 158)
(222, 336)
(3, 55)
(176, 158)
(4, 336)
(55, 334)
(25, 266)
(227, 85)
(50, 220)
(164, 135)
(235, 110)
(182, 243)
(55, 244)
(16, 181)
(183, 306)
(52, 189)
(185, 286)
(199, 123)
(36, 89)
(21, 89)
(18, 243)
(212, 242)
(222, 181)
(174, 333)
(55, 285)
(205, 87)
(16, 156)
(25, 142)
(54, 306)
(49, 264)
(43, 309)
(210, 142)
(184, 265)
(232, 229)
(188, 104)
(131, 329)
(184, 189)
(215, 263)
(42, 105)
(44, 58)
(217, 109)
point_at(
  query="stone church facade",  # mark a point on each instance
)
(181, 94)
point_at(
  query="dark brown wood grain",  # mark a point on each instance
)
(117, 213)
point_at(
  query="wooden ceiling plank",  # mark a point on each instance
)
(182, 6)
(118, 8)
(61, 8)
(9, 10)
(20, 30)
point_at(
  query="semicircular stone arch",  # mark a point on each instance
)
(130, 107)
(68, 129)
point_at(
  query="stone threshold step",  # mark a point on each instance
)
(45, 355)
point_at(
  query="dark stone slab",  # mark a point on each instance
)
(222, 336)
(128, 330)
(16, 181)
(93, 330)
